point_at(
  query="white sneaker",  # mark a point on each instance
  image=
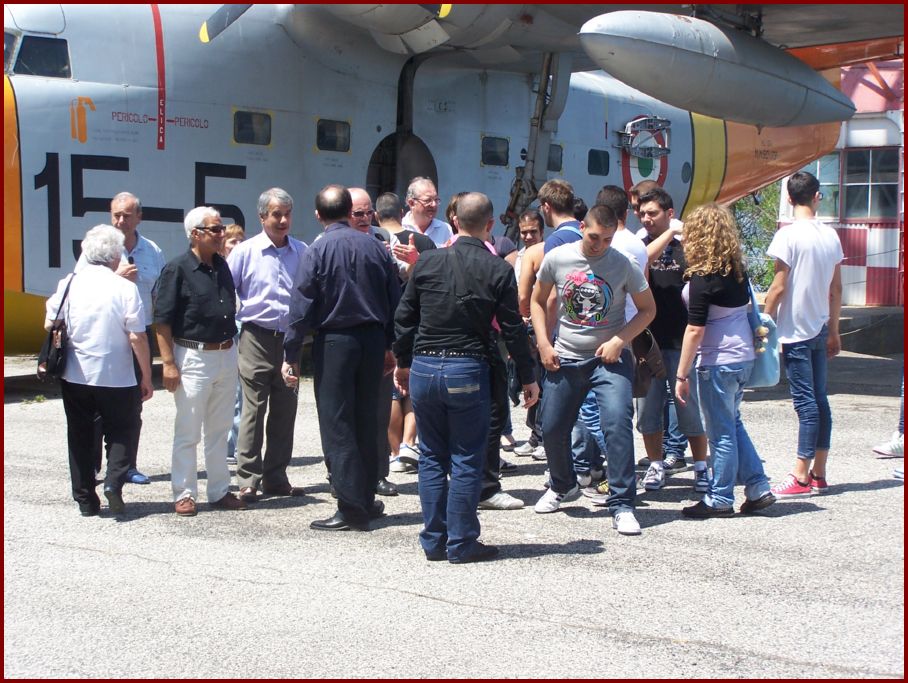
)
(701, 481)
(894, 448)
(654, 479)
(408, 454)
(550, 501)
(525, 450)
(539, 453)
(398, 465)
(501, 501)
(626, 523)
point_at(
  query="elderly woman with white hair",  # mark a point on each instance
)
(105, 321)
(194, 315)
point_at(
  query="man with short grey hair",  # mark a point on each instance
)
(266, 269)
(195, 327)
(422, 198)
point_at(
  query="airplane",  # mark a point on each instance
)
(201, 104)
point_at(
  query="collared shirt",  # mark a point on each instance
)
(197, 300)
(149, 261)
(438, 231)
(431, 317)
(265, 276)
(100, 311)
(420, 241)
(565, 233)
(347, 279)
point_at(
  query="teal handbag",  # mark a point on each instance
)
(766, 346)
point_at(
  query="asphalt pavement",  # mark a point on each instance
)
(809, 588)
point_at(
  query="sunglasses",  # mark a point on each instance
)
(363, 214)
(216, 229)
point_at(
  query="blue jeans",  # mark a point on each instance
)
(673, 440)
(734, 457)
(452, 406)
(587, 441)
(805, 367)
(565, 390)
(651, 408)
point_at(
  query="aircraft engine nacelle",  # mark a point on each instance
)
(715, 71)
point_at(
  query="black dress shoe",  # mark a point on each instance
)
(114, 501)
(436, 555)
(479, 553)
(338, 523)
(703, 511)
(385, 488)
(377, 510)
(90, 509)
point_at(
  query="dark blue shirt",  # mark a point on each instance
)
(347, 279)
(567, 232)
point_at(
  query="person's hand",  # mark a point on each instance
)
(390, 363)
(682, 391)
(128, 270)
(146, 388)
(833, 345)
(406, 252)
(171, 376)
(610, 351)
(549, 358)
(402, 380)
(530, 394)
(290, 372)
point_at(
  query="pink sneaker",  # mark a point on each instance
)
(791, 488)
(818, 485)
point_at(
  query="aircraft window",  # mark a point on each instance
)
(495, 151)
(43, 57)
(556, 152)
(333, 136)
(9, 49)
(871, 183)
(251, 128)
(597, 162)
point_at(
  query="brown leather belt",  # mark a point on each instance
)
(203, 346)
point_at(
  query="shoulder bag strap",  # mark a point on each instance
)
(63, 300)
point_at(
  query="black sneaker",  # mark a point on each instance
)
(479, 553)
(674, 462)
(703, 511)
(748, 507)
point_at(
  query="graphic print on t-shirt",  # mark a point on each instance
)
(587, 298)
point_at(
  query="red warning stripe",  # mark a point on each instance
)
(162, 91)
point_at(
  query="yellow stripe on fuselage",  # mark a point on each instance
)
(12, 193)
(708, 162)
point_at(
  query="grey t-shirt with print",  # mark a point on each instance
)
(591, 296)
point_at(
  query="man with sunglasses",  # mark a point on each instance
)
(422, 198)
(266, 269)
(195, 322)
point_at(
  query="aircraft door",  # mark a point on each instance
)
(397, 159)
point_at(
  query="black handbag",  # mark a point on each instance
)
(648, 362)
(52, 357)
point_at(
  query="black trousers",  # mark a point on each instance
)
(347, 368)
(119, 409)
(498, 395)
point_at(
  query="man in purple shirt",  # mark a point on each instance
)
(266, 269)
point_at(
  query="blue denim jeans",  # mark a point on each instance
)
(651, 408)
(805, 367)
(565, 390)
(734, 458)
(673, 440)
(587, 441)
(452, 406)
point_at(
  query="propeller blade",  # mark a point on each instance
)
(220, 20)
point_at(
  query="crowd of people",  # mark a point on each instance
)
(424, 331)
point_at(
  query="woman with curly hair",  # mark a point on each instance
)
(717, 296)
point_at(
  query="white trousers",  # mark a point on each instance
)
(204, 402)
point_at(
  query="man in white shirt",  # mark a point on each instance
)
(422, 198)
(141, 263)
(805, 299)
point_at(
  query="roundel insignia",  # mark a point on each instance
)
(635, 169)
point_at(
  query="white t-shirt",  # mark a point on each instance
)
(591, 296)
(100, 311)
(812, 250)
(438, 231)
(633, 247)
